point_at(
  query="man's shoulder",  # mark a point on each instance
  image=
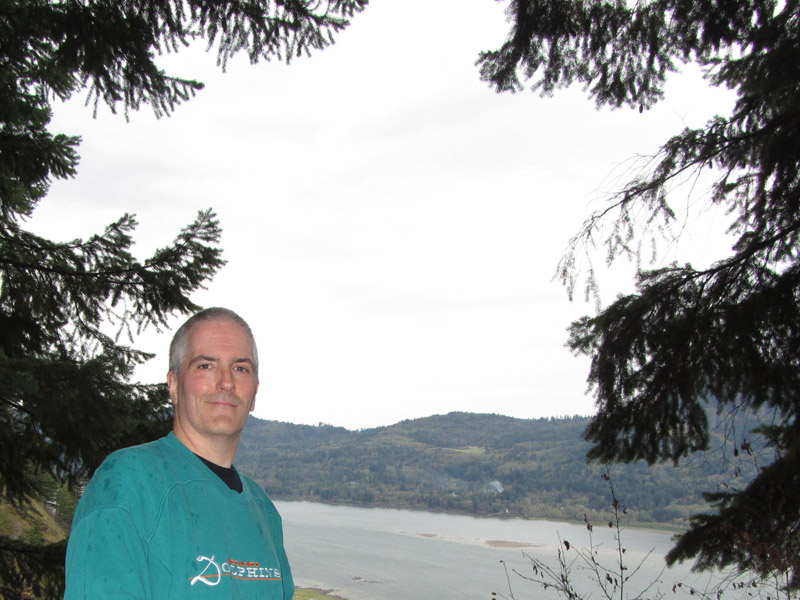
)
(129, 470)
(249, 484)
(257, 493)
(149, 454)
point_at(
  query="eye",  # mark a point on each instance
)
(242, 368)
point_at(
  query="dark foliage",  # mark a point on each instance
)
(66, 398)
(728, 335)
(22, 565)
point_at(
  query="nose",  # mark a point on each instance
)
(225, 380)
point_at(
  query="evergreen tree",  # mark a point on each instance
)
(66, 398)
(727, 335)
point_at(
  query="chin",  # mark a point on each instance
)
(225, 427)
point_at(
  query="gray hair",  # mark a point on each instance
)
(180, 341)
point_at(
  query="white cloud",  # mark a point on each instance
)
(391, 225)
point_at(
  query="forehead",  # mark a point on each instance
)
(217, 336)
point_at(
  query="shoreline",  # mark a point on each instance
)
(659, 527)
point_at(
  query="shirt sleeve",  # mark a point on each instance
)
(106, 557)
(276, 526)
(286, 573)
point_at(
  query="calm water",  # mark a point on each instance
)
(385, 554)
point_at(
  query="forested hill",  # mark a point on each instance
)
(476, 464)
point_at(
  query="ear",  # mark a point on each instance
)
(172, 383)
(253, 403)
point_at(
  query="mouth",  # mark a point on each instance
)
(223, 402)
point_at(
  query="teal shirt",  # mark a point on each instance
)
(155, 522)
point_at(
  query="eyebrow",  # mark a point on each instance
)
(205, 357)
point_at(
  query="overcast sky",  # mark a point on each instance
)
(391, 225)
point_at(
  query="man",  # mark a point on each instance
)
(173, 518)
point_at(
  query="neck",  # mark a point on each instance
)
(220, 450)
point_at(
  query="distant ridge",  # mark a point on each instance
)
(479, 464)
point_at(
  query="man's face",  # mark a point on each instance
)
(217, 385)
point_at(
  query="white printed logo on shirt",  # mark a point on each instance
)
(213, 572)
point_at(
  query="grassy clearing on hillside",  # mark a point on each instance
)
(469, 450)
(32, 523)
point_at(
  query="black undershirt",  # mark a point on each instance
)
(229, 476)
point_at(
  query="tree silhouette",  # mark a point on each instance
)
(66, 398)
(726, 335)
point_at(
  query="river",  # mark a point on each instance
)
(387, 554)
